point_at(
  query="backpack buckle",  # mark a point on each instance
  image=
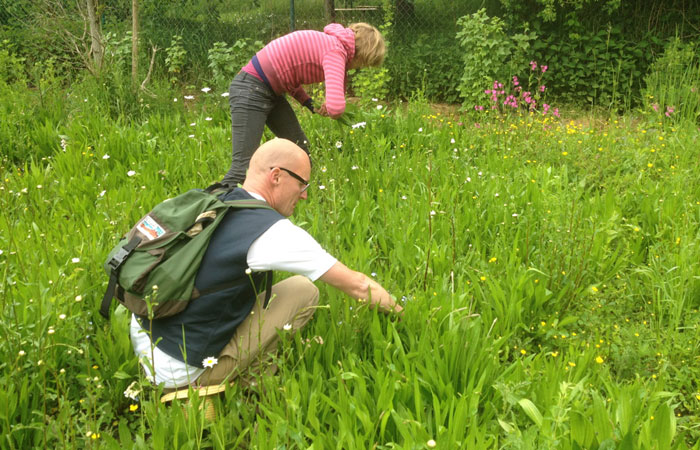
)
(118, 259)
(123, 253)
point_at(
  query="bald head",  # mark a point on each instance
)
(274, 153)
(269, 174)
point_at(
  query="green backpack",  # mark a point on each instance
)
(165, 249)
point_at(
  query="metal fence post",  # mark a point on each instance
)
(291, 14)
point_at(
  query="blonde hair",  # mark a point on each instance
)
(369, 45)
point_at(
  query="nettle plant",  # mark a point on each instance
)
(517, 98)
(225, 61)
(175, 60)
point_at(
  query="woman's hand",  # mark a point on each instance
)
(322, 111)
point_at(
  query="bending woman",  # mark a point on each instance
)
(257, 93)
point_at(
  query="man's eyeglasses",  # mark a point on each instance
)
(296, 177)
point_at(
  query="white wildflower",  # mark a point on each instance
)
(78, 298)
(338, 144)
(287, 326)
(379, 107)
(22, 353)
(225, 94)
(75, 260)
(189, 97)
(360, 125)
(208, 119)
(431, 443)
(206, 89)
(420, 130)
(131, 173)
(105, 156)
(321, 187)
(102, 194)
(432, 213)
(210, 361)
(132, 391)
(452, 141)
(248, 271)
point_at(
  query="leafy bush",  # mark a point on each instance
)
(488, 53)
(176, 58)
(117, 51)
(673, 82)
(598, 67)
(225, 61)
(11, 65)
(426, 63)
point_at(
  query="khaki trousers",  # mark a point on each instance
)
(291, 307)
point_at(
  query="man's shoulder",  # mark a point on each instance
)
(284, 229)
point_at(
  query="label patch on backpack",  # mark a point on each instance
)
(150, 228)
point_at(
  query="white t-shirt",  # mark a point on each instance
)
(284, 246)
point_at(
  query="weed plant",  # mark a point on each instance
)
(548, 267)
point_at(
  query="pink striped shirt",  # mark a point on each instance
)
(306, 57)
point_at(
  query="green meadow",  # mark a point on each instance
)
(548, 268)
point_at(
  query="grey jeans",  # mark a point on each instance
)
(254, 105)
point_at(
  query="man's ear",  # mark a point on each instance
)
(274, 176)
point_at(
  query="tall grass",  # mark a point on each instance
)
(549, 271)
(673, 82)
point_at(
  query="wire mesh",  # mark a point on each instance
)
(203, 22)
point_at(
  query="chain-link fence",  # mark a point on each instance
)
(420, 32)
(203, 22)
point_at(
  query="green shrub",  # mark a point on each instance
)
(225, 61)
(117, 51)
(426, 63)
(597, 67)
(11, 65)
(488, 53)
(175, 60)
(673, 83)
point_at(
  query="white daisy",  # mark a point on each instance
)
(210, 361)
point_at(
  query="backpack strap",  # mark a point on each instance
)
(248, 203)
(114, 265)
(218, 188)
(268, 288)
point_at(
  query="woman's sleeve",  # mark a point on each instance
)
(300, 95)
(334, 74)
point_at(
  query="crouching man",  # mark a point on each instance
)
(224, 334)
